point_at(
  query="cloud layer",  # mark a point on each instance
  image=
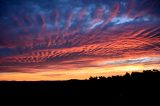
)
(62, 34)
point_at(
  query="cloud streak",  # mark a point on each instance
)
(133, 61)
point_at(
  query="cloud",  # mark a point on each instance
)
(132, 61)
(65, 35)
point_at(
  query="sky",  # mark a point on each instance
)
(76, 39)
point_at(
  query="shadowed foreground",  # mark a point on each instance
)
(130, 88)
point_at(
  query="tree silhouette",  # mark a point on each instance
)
(93, 78)
(134, 75)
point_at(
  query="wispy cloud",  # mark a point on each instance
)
(132, 61)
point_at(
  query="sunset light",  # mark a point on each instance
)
(76, 39)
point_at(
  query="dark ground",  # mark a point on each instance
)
(128, 89)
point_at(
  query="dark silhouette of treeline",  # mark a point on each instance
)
(145, 75)
(127, 89)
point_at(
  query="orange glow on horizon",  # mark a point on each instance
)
(83, 73)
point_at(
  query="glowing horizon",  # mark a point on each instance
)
(65, 39)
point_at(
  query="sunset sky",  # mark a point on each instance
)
(76, 39)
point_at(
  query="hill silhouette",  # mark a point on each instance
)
(127, 89)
